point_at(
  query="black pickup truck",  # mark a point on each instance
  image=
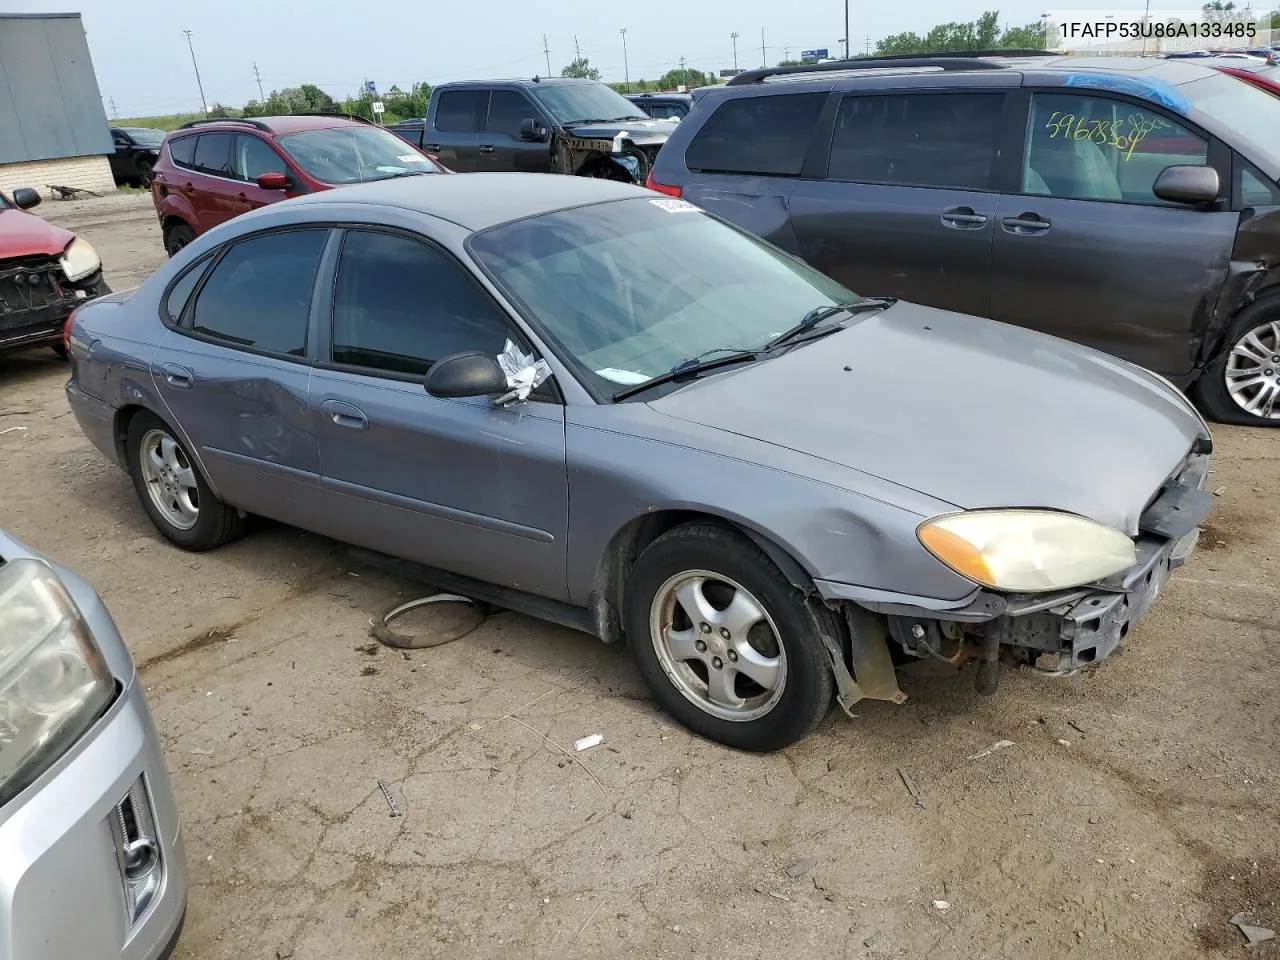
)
(554, 125)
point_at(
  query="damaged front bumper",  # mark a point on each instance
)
(35, 301)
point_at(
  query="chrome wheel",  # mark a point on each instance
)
(169, 479)
(718, 645)
(1252, 372)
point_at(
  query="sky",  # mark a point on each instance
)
(142, 62)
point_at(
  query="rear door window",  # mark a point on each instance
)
(761, 135)
(461, 111)
(213, 154)
(183, 151)
(946, 140)
(259, 295)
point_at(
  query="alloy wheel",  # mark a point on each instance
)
(169, 479)
(1252, 372)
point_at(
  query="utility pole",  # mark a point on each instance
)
(577, 50)
(846, 30)
(204, 104)
(786, 53)
(626, 69)
(734, 37)
(547, 50)
(868, 46)
(114, 112)
(682, 76)
(764, 62)
(262, 97)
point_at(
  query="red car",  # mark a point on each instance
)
(1265, 76)
(209, 171)
(45, 273)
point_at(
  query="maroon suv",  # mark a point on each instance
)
(209, 171)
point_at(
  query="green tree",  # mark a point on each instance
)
(307, 98)
(981, 34)
(582, 69)
(688, 78)
(790, 63)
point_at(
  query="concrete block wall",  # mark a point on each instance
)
(87, 173)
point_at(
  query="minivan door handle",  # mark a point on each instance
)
(345, 414)
(962, 218)
(177, 376)
(1025, 224)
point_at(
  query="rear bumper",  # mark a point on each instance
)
(96, 418)
(62, 890)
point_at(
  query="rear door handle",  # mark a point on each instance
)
(962, 218)
(486, 149)
(1025, 224)
(177, 376)
(345, 414)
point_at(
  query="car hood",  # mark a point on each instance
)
(968, 411)
(641, 132)
(24, 234)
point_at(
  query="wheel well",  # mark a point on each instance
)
(171, 221)
(1266, 299)
(120, 430)
(628, 543)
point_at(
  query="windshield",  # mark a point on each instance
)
(354, 154)
(1251, 114)
(145, 136)
(630, 289)
(575, 102)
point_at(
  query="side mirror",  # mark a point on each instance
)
(470, 374)
(1186, 183)
(532, 130)
(24, 198)
(273, 181)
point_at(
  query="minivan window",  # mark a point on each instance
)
(460, 111)
(1252, 115)
(259, 294)
(761, 135)
(918, 139)
(1085, 147)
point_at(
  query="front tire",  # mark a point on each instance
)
(145, 173)
(1242, 384)
(172, 490)
(725, 643)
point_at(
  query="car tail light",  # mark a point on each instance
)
(66, 330)
(670, 191)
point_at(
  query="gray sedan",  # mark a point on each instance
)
(613, 410)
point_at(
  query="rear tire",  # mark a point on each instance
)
(748, 667)
(175, 238)
(144, 172)
(1228, 386)
(172, 490)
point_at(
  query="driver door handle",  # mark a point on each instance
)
(1025, 224)
(345, 414)
(962, 218)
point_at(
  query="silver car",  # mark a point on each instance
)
(610, 409)
(91, 859)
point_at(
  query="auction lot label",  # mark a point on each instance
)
(1149, 32)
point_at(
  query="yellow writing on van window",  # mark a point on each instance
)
(1123, 135)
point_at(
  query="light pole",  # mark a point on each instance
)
(846, 29)
(626, 68)
(204, 104)
(734, 37)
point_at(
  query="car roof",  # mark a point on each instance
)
(279, 126)
(526, 81)
(475, 201)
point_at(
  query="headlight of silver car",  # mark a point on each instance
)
(54, 682)
(80, 260)
(1026, 551)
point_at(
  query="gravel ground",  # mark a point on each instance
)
(1135, 813)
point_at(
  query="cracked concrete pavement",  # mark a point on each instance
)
(1135, 814)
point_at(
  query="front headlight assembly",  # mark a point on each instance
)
(54, 683)
(80, 260)
(1026, 551)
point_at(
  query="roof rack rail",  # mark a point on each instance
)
(957, 61)
(258, 124)
(334, 113)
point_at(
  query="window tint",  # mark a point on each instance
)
(255, 157)
(119, 139)
(507, 109)
(1094, 148)
(400, 306)
(1253, 187)
(183, 151)
(180, 292)
(259, 294)
(213, 154)
(761, 135)
(928, 140)
(460, 111)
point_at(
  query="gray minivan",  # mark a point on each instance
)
(1127, 204)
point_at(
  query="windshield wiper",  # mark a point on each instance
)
(629, 116)
(818, 314)
(689, 368)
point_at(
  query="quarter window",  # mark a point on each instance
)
(762, 135)
(259, 294)
(1096, 148)
(461, 111)
(183, 151)
(926, 140)
(401, 305)
(180, 292)
(1253, 187)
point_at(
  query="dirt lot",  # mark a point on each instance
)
(1137, 811)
